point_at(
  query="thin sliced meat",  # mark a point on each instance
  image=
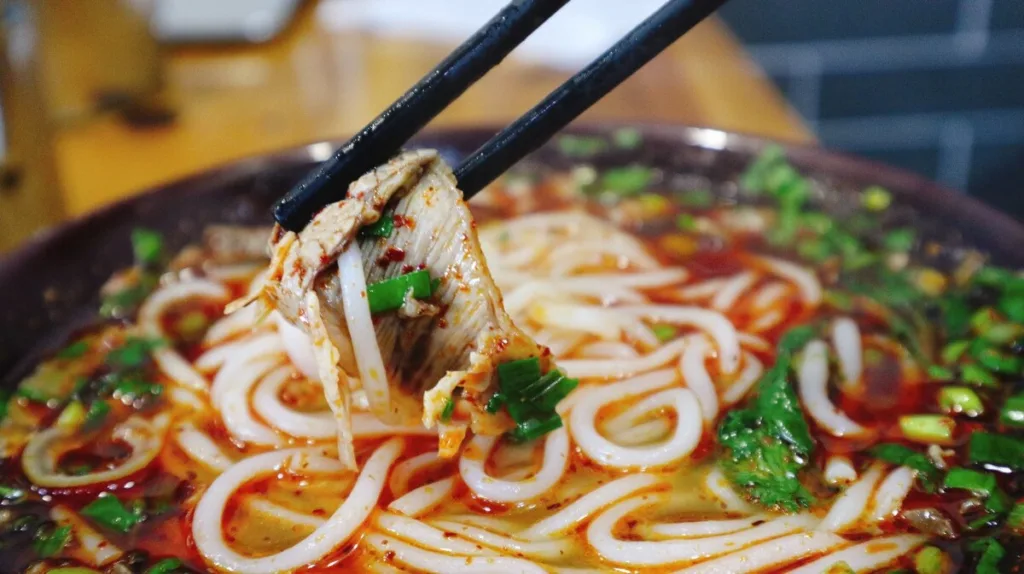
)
(445, 346)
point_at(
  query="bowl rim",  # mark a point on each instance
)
(992, 226)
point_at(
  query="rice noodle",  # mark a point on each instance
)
(806, 281)
(684, 438)
(41, 456)
(538, 549)
(720, 487)
(771, 554)
(426, 535)
(846, 341)
(266, 402)
(768, 295)
(201, 448)
(471, 468)
(571, 516)
(666, 552)
(714, 324)
(812, 383)
(405, 470)
(298, 346)
(369, 361)
(695, 374)
(851, 503)
(748, 377)
(700, 528)
(241, 321)
(839, 470)
(421, 500)
(618, 368)
(867, 556)
(93, 545)
(891, 492)
(435, 562)
(206, 525)
(170, 361)
(732, 290)
(233, 402)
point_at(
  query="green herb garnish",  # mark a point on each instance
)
(107, 511)
(626, 181)
(380, 228)
(530, 397)
(148, 247)
(49, 544)
(997, 450)
(928, 475)
(390, 294)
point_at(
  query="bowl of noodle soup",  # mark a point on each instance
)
(786, 360)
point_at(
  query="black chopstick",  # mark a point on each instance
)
(386, 134)
(581, 91)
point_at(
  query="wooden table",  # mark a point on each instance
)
(314, 84)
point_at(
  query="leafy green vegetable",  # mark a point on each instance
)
(108, 512)
(754, 178)
(47, 544)
(928, 475)
(625, 181)
(148, 247)
(769, 443)
(979, 483)
(998, 450)
(1015, 520)
(134, 353)
(990, 553)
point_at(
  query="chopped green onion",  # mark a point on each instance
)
(390, 294)
(97, 413)
(960, 400)
(380, 228)
(515, 375)
(581, 146)
(994, 276)
(108, 512)
(817, 222)
(1012, 413)
(535, 428)
(753, 179)
(928, 474)
(996, 450)
(627, 138)
(49, 544)
(74, 350)
(626, 181)
(1003, 333)
(931, 560)
(939, 373)
(990, 552)
(72, 417)
(1015, 520)
(449, 408)
(977, 375)
(927, 428)
(696, 198)
(134, 353)
(686, 222)
(12, 494)
(664, 332)
(814, 249)
(984, 319)
(876, 198)
(779, 178)
(901, 240)
(494, 403)
(191, 325)
(165, 566)
(128, 391)
(952, 352)
(993, 360)
(555, 392)
(148, 247)
(1012, 304)
(979, 483)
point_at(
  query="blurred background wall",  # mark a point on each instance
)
(935, 86)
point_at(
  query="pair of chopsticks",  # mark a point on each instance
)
(382, 138)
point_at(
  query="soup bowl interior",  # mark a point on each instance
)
(49, 287)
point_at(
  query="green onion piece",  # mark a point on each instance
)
(1015, 520)
(664, 332)
(998, 502)
(931, 560)
(107, 511)
(134, 353)
(13, 494)
(979, 483)
(130, 390)
(148, 247)
(96, 415)
(494, 403)
(581, 146)
(900, 240)
(449, 408)
(627, 138)
(165, 566)
(555, 392)
(72, 417)
(380, 228)
(534, 428)
(952, 352)
(515, 375)
(686, 222)
(993, 360)
(191, 325)
(990, 553)
(74, 350)
(390, 294)
(1012, 413)
(977, 375)
(960, 400)
(753, 179)
(928, 474)
(927, 428)
(993, 276)
(984, 319)
(876, 198)
(817, 222)
(996, 450)
(1003, 333)
(626, 181)
(47, 545)
(696, 198)
(939, 373)
(814, 249)
(1011, 304)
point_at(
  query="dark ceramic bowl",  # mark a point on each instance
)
(50, 285)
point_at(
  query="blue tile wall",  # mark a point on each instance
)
(934, 86)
